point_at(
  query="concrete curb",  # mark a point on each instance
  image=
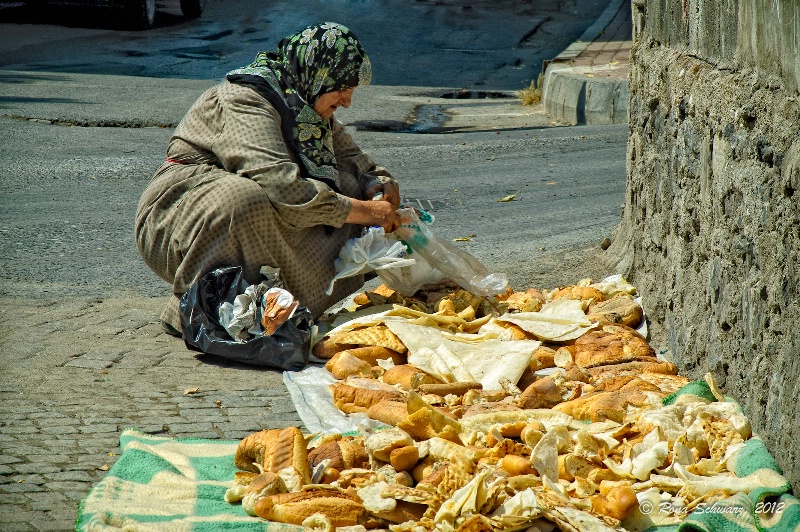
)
(570, 92)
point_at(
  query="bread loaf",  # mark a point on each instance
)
(613, 344)
(581, 293)
(388, 411)
(622, 310)
(277, 451)
(326, 348)
(371, 354)
(342, 509)
(407, 376)
(251, 450)
(450, 388)
(351, 399)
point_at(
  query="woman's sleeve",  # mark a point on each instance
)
(251, 145)
(350, 158)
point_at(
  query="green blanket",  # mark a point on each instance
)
(165, 484)
(765, 509)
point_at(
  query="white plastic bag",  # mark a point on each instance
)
(408, 279)
(373, 251)
(455, 263)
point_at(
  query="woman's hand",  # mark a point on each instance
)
(373, 212)
(390, 191)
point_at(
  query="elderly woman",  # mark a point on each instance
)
(260, 173)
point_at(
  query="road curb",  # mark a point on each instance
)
(571, 92)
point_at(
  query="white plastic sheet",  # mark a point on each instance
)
(313, 400)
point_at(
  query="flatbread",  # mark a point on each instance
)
(558, 321)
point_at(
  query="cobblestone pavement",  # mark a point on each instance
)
(77, 373)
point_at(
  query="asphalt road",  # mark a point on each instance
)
(71, 187)
(424, 43)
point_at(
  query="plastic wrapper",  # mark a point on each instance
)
(373, 251)
(287, 348)
(408, 279)
(455, 263)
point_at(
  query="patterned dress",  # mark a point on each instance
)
(232, 193)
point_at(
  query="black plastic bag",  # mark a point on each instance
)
(288, 348)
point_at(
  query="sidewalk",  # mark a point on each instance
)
(587, 83)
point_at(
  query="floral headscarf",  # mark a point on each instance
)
(322, 58)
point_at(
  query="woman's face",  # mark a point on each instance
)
(327, 103)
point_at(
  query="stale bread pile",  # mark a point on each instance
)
(527, 411)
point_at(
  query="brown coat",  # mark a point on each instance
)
(236, 197)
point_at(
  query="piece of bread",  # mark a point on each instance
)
(450, 388)
(403, 512)
(572, 465)
(543, 357)
(404, 458)
(517, 465)
(544, 393)
(347, 453)
(251, 449)
(617, 502)
(613, 344)
(343, 365)
(531, 300)
(274, 451)
(666, 383)
(580, 293)
(263, 485)
(388, 411)
(601, 406)
(477, 523)
(420, 425)
(279, 305)
(625, 382)
(377, 335)
(407, 376)
(372, 353)
(488, 407)
(350, 399)
(342, 509)
(326, 348)
(289, 458)
(380, 444)
(573, 372)
(633, 368)
(622, 310)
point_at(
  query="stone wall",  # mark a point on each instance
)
(711, 226)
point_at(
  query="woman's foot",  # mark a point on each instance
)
(171, 317)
